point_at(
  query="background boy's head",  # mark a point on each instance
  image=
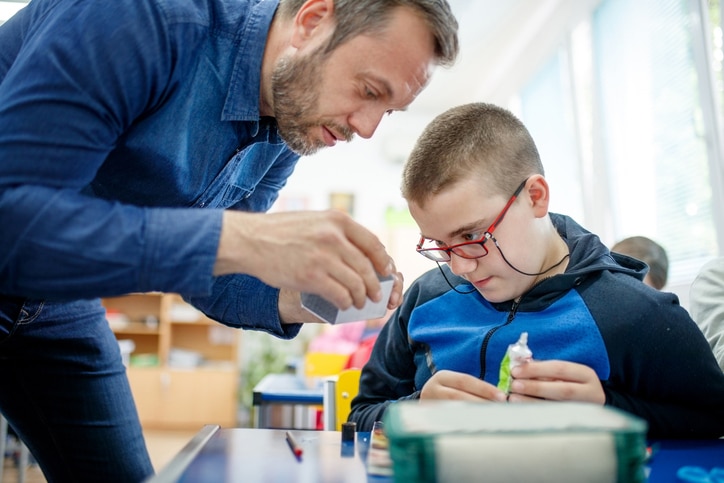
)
(466, 140)
(649, 252)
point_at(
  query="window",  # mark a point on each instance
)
(9, 7)
(624, 111)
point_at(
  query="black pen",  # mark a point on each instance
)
(296, 449)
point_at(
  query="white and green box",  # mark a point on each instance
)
(557, 442)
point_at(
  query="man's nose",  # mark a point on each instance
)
(366, 120)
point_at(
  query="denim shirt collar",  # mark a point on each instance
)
(243, 97)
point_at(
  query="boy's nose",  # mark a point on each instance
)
(461, 266)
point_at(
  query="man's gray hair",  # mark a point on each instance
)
(356, 17)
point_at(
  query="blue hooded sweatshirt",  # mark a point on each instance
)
(651, 357)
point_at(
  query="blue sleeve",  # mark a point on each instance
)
(84, 71)
(662, 368)
(60, 244)
(242, 301)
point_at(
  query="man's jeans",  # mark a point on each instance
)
(64, 390)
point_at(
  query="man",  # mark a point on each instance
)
(139, 138)
(475, 185)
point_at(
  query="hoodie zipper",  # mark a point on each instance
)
(484, 347)
(511, 316)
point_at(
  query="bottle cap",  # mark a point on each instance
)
(348, 430)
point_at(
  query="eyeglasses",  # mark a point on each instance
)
(470, 249)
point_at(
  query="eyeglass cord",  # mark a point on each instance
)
(509, 264)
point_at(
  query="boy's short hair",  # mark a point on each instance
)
(470, 139)
(356, 17)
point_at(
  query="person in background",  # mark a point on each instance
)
(475, 185)
(354, 339)
(338, 339)
(141, 143)
(346, 338)
(649, 252)
(359, 357)
(706, 305)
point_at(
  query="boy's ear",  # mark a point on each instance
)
(539, 194)
(312, 19)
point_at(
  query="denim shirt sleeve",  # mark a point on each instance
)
(57, 130)
(245, 302)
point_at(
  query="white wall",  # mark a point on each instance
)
(370, 170)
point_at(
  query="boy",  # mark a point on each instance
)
(597, 333)
(651, 253)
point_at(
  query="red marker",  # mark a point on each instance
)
(296, 449)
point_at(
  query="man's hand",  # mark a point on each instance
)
(459, 386)
(557, 381)
(291, 310)
(321, 252)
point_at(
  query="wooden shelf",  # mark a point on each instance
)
(171, 395)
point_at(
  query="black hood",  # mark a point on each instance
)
(588, 258)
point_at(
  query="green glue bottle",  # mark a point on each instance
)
(517, 354)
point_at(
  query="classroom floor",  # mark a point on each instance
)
(162, 446)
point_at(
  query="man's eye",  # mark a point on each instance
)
(389, 111)
(370, 94)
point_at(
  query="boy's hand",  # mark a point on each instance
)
(459, 386)
(556, 381)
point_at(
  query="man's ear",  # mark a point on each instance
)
(313, 20)
(539, 194)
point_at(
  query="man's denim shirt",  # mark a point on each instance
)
(119, 121)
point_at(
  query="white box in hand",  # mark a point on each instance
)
(329, 313)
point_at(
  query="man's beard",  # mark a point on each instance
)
(295, 93)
